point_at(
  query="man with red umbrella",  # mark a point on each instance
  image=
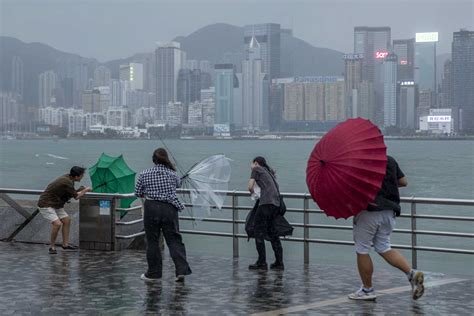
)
(350, 174)
(374, 226)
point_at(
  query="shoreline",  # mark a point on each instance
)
(239, 138)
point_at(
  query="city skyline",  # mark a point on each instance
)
(312, 21)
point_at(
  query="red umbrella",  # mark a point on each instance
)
(346, 168)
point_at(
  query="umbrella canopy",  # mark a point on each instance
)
(346, 168)
(112, 175)
(207, 182)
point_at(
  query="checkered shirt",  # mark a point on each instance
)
(159, 183)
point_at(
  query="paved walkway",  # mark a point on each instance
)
(32, 282)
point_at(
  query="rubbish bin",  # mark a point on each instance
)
(97, 223)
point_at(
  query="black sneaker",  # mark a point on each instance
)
(70, 248)
(258, 266)
(52, 251)
(277, 266)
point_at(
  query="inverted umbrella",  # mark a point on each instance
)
(207, 182)
(346, 168)
(112, 175)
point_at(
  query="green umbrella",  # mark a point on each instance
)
(112, 175)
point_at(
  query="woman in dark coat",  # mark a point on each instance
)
(268, 209)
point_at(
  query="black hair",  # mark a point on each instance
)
(262, 162)
(160, 156)
(77, 171)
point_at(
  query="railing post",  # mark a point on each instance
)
(235, 225)
(414, 259)
(306, 229)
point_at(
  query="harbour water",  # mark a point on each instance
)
(437, 169)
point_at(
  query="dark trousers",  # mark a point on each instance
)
(163, 217)
(264, 218)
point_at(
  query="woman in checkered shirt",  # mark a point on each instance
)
(158, 186)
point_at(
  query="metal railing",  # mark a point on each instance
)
(236, 209)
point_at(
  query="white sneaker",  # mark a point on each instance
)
(364, 295)
(147, 279)
(417, 287)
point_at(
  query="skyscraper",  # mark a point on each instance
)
(132, 72)
(352, 80)
(101, 76)
(268, 37)
(447, 85)
(224, 74)
(48, 82)
(390, 90)
(373, 43)
(189, 89)
(407, 104)
(18, 80)
(425, 61)
(169, 59)
(405, 51)
(254, 104)
(463, 77)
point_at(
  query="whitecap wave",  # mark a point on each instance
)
(56, 156)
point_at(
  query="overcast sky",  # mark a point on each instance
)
(109, 29)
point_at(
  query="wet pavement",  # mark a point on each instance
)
(32, 282)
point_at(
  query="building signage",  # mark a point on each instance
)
(403, 62)
(439, 118)
(426, 37)
(318, 79)
(407, 83)
(381, 54)
(352, 56)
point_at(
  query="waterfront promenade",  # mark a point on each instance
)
(94, 283)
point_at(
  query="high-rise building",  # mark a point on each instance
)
(390, 90)
(352, 80)
(447, 85)
(192, 64)
(115, 93)
(268, 37)
(118, 117)
(224, 74)
(67, 86)
(254, 104)
(205, 66)
(101, 76)
(80, 79)
(175, 113)
(405, 51)
(9, 110)
(366, 101)
(463, 78)
(425, 61)
(48, 83)
(169, 59)
(189, 88)
(18, 80)
(407, 104)
(91, 101)
(132, 72)
(314, 99)
(208, 94)
(374, 44)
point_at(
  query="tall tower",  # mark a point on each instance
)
(268, 37)
(169, 59)
(254, 98)
(373, 43)
(463, 78)
(390, 90)
(48, 82)
(18, 80)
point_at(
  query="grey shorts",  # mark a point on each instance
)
(373, 228)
